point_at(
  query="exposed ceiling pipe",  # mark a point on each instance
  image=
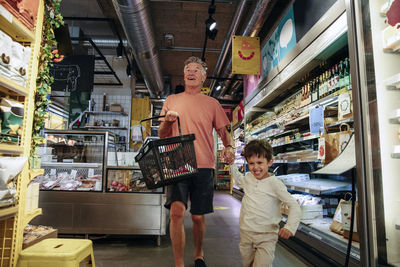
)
(135, 18)
(105, 43)
(260, 14)
(228, 40)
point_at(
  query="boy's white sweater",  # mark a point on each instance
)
(261, 204)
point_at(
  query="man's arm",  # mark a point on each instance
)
(228, 153)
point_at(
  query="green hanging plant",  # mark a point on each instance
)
(48, 54)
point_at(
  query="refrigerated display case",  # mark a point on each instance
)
(81, 194)
(223, 179)
(238, 139)
(310, 125)
(377, 59)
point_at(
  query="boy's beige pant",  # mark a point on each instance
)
(257, 249)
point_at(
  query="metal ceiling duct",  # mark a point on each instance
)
(135, 19)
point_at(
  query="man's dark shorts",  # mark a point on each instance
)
(200, 190)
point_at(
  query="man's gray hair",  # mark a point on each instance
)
(196, 60)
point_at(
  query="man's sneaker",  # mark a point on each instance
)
(199, 263)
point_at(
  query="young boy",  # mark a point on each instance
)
(260, 214)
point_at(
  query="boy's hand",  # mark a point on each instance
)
(284, 233)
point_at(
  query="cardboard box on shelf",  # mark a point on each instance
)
(52, 234)
(116, 107)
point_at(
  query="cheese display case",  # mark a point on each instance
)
(74, 160)
(84, 191)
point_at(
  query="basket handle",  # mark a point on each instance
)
(156, 117)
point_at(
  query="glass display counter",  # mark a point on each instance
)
(81, 194)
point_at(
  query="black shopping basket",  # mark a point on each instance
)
(168, 160)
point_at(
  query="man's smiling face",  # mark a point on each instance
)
(193, 74)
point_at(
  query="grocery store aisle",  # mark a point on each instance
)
(220, 243)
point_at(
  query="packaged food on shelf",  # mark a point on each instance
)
(6, 54)
(35, 233)
(12, 116)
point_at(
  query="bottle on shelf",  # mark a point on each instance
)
(347, 79)
(313, 91)
(341, 75)
(336, 78)
(331, 80)
(320, 85)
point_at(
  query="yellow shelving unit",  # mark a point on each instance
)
(36, 172)
(11, 149)
(14, 219)
(6, 83)
(31, 214)
(8, 212)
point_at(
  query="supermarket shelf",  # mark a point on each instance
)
(326, 101)
(14, 28)
(396, 117)
(71, 165)
(297, 160)
(348, 120)
(396, 152)
(106, 128)
(8, 212)
(307, 138)
(393, 82)
(299, 119)
(35, 172)
(396, 155)
(11, 149)
(318, 186)
(106, 113)
(32, 214)
(13, 86)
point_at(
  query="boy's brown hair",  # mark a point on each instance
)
(258, 147)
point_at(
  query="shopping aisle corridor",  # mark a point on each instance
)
(220, 243)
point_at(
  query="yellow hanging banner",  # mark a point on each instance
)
(245, 55)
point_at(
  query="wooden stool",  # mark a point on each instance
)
(57, 252)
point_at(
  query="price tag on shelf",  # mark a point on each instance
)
(90, 172)
(73, 174)
(307, 190)
(292, 187)
(53, 172)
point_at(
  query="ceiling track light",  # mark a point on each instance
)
(119, 50)
(129, 70)
(211, 23)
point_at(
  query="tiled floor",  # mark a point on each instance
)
(220, 243)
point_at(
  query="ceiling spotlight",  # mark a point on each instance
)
(211, 24)
(218, 88)
(119, 50)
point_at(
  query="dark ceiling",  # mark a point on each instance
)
(182, 19)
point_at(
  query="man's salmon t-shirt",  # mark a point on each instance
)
(198, 114)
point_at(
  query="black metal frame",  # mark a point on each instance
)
(100, 54)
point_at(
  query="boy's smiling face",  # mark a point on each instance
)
(259, 166)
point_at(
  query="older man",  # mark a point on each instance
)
(199, 114)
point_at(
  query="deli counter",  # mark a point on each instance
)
(89, 188)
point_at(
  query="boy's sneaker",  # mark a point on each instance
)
(199, 263)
